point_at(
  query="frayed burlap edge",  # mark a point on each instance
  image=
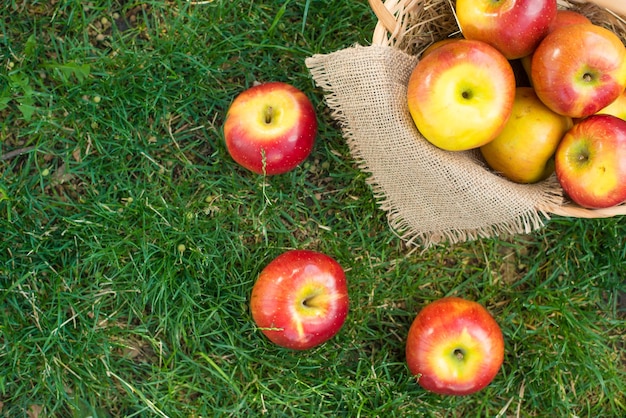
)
(385, 143)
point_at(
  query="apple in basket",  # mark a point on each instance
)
(270, 128)
(579, 69)
(564, 17)
(300, 299)
(591, 162)
(454, 347)
(524, 150)
(460, 95)
(513, 27)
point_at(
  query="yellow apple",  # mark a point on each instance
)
(524, 150)
(460, 95)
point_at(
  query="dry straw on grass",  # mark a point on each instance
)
(430, 195)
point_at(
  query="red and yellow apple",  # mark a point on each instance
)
(270, 128)
(460, 95)
(300, 299)
(524, 150)
(454, 347)
(513, 27)
(579, 69)
(564, 17)
(591, 162)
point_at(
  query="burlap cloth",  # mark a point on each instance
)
(430, 196)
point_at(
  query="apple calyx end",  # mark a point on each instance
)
(316, 300)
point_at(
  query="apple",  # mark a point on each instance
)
(270, 128)
(564, 17)
(300, 299)
(430, 48)
(579, 69)
(591, 162)
(454, 346)
(460, 95)
(513, 27)
(524, 150)
(616, 108)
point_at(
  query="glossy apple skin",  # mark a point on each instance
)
(524, 149)
(616, 108)
(579, 69)
(591, 162)
(300, 299)
(270, 128)
(439, 331)
(563, 18)
(460, 95)
(566, 18)
(513, 27)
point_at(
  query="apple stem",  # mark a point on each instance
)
(269, 112)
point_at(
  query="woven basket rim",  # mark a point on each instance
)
(392, 23)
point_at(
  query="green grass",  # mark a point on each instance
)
(131, 240)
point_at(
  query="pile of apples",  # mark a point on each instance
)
(536, 89)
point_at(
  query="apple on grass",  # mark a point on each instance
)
(460, 95)
(579, 69)
(591, 162)
(300, 299)
(513, 27)
(270, 128)
(524, 150)
(454, 347)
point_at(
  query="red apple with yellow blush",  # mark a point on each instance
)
(591, 162)
(454, 347)
(300, 299)
(270, 128)
(564, 17)
(513, 27)
(579, 69)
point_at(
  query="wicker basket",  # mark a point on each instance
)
(412, 25)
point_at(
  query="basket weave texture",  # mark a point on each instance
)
(431, 196)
